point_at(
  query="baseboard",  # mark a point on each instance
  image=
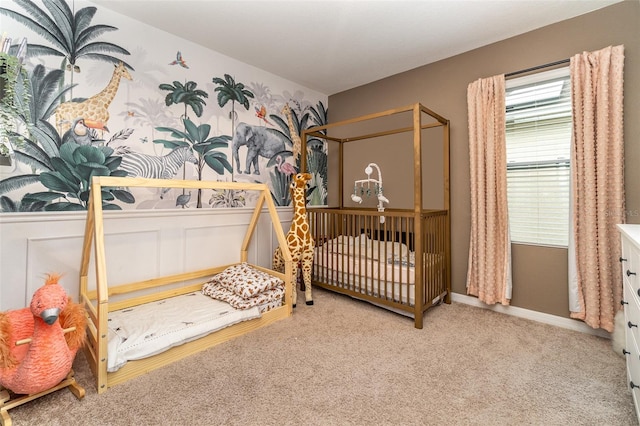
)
(532, 315)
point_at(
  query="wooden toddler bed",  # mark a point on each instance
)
(209, 320)
(398, 259)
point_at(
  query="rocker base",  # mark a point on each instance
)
(9, 400)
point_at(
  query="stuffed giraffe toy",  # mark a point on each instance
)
(95, 108)
(299, 239)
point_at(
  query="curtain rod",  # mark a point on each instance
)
(551, 64)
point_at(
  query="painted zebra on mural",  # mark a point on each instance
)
(137, 164)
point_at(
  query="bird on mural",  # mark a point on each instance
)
(80, 132)
(261, 113)
(284, 167)
(179, 61)
(183, 200)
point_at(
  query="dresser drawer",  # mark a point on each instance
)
(632, 353)
(631, 321)
(630, 262)
(633, 373)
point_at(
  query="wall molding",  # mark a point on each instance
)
(542, 317)
(38, 217)
(138, 243)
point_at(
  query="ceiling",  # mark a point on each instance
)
(332, 46)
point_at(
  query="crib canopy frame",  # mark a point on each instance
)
(421, 118)
(97, 301)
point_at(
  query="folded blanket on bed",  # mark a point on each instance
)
(245, 280)
(243, 287)
(219, 292)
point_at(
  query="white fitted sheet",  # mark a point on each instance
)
(152, 328)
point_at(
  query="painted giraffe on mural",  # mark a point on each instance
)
(299, 239)
(295, 137)
(95, 108)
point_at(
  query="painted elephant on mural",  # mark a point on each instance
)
(260, 142)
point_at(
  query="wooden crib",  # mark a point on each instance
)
(100, 299)
(377, 262)
(398, 259)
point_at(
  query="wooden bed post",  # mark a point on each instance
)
(417, 213)
(303, 151)
(101, 282)
(341, 174)
(86, 251)
(447, 206)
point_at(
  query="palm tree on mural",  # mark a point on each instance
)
(229, 90)
(35, 99)
(45, 90)
(317, 157)
(320, 115)
(72, 35)
(190, 96)
(186, 94)
(316, 153)
(280, 181)
(45, 93)
(206, 148)
(42, 141)
(299, 124)
(263, 96)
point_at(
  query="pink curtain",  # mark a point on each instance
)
(597, 182)
(489, 270)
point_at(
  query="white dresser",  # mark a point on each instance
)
(630, 262)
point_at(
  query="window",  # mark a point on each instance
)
(538, 134)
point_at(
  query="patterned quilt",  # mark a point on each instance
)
(244, 287)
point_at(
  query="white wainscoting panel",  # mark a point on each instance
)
(139, 245)
(52, 254)
(204, 245)
(132, 255)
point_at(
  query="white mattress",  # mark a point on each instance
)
(377, 270)
(403, 293)
(152, 328)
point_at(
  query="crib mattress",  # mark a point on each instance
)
(387, 280)
(391, 270)
(152, 328)
(403, 293)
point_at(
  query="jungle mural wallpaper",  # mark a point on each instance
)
(88, 92)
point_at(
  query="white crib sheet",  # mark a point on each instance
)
(152, 328)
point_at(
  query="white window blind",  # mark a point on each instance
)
(538, 134)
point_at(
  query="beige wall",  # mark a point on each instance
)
(539, 274)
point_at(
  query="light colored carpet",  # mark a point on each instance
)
(345, 362)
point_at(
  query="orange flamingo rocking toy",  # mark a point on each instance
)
(38, 345)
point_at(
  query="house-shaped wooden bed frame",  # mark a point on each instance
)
(98, 305)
